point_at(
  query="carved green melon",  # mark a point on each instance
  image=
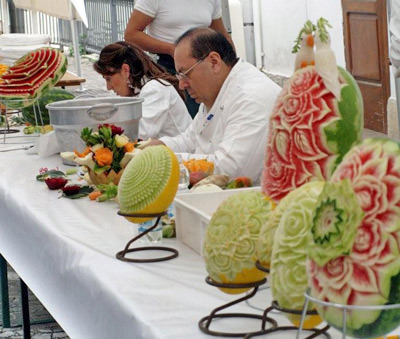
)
(149, 182)
(231, 238)
(288, 276)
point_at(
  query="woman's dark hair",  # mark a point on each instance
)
(141, 65)
(204, 40)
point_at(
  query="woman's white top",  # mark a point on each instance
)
(163, 111)
(172, 18)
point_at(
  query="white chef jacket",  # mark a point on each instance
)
(163, 111)
(233, 133)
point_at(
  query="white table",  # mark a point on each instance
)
(65, 249)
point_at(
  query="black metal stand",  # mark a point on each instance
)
(315, 332)
(121, 254)
(205, 322)
(261, 267)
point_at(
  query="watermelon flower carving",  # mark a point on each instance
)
(369, 274)
(335, 221)
(310, 131)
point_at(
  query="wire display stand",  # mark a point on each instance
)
(14, 106)
(344, 309)
(121, 255)
(205, 322)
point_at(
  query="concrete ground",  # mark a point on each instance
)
(95, 86)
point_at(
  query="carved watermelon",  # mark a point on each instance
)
(358, 262)
(288, 275)
(32, 75)
(310, 131)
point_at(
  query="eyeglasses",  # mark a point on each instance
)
(183, 75)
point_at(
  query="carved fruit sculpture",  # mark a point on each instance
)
(149, 182)
(355, 255)
(231, 237)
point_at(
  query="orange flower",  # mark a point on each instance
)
(129, 147)
(84, 153)
(103, 157)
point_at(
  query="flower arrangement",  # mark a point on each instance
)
(107, 153)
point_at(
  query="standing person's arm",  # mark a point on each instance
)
(218, 26)
(134, 33)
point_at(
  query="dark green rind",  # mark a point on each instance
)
(343, 134)
(387, 320)
(50, 96)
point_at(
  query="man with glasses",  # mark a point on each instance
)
(236, 99)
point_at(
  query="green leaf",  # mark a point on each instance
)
(110, 191)
(322, 24)
(99, 170)
(308, 28)
(84, 191)
(50, 174)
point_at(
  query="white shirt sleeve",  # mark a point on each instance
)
(148, 7)
(154, 109)
(217, 10)
(238, 154)
(182, 143)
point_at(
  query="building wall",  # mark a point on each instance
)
(281, 22)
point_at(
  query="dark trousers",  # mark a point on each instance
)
(167, 62)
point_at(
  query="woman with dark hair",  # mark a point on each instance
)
(128, 71)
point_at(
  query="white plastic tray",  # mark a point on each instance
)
(193, 212)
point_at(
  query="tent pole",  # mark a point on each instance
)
(75, 44)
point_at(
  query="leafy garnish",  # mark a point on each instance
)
(322, 24)
(50, 174)
(308, 28)
(109, 191)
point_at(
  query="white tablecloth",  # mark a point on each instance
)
(65, 251)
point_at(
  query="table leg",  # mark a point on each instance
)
(26, 326)
(4, 292)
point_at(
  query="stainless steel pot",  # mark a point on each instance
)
(69, 117)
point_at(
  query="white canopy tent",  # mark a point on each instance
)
(72, 10)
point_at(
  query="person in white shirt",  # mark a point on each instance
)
(236, 100)
(166, 20)
(128, 71)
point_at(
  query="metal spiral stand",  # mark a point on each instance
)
(205, 322)
(315, 332)
(121, 254)
(16, 105)
(344, 309)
